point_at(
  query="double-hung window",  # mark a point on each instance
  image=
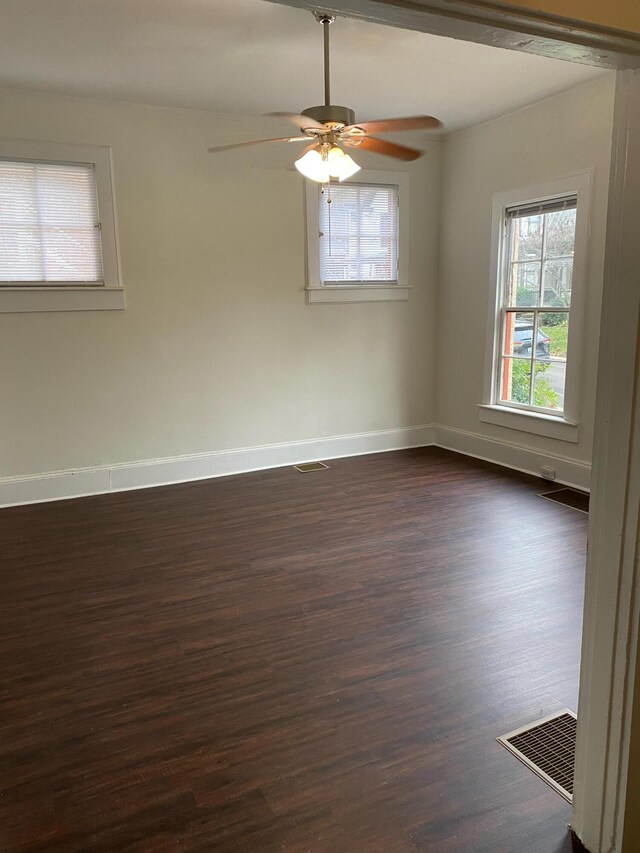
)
(57, 228)
(536, 305)
(357, 239)
(535, 327)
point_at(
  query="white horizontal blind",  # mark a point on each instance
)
(538, 208)
(359, 234)
(49, 229)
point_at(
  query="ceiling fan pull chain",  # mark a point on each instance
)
(321, 192)
(329, 213)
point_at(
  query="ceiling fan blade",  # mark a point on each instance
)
(257, 142)
(389, 125)
(381, 146)
(298, 120)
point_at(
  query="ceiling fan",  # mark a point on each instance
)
(328, 127)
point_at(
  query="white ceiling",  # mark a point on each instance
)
(251, 56)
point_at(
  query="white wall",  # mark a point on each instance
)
(216, 348)
(564, 134)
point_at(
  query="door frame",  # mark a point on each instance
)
(612, 604)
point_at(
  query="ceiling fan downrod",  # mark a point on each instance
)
(329, 114)
(326, 20)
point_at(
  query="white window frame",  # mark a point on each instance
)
(564, 425)
(75, 296)
(316, 291)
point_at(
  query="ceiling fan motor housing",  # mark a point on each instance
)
(331, 114)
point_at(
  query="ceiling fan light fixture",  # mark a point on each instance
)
(322, 165)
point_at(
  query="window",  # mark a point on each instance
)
(536, 304)
(359, 234)
(49, 224)
(535, 330)
(357, 246)
(57, 228)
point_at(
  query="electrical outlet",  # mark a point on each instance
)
(548, 473)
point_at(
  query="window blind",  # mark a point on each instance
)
(540, 207)
(49, 229)
(359, 234)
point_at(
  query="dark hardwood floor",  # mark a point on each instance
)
(311, 663)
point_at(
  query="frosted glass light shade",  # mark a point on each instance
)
(341, 166)
(313, 166)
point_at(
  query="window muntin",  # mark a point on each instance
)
(49, 224)
(536, 304)
(359, 234)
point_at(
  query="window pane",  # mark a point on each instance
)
(525, 284)
(527, 238)
(553, 329)
(548, 390)
(20, 253)
(557, 283)
(359, 230)
(71, 254)
(48, 223)
(18, 200)
(561, 233)
(515, 384)
(518, 333)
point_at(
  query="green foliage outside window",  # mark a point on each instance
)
(543, 394)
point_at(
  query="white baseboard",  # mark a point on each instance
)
(516, 456)
(60, 485)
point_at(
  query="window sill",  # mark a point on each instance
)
(21, 300)
(357, 293)
(532, 422)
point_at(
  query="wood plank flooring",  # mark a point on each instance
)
(310, 663)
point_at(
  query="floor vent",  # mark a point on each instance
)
(547, 747)
(569, 497)
(306, 467)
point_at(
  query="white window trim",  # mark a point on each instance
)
(563, 426)
(77, 296)
(315, 290)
